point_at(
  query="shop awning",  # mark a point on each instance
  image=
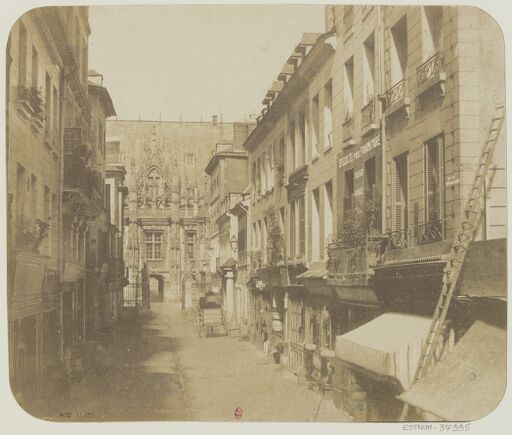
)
(316, 274)
(360, 295)
(389, 346)
(470, 382)
(484, 273)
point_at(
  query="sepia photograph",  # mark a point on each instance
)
(256, 213)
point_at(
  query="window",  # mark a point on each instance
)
(55, 125)
(47, 218)
(369, 178)
(21, 189)
(398, 52)
(348, 200)
(291, 133)
(372, 212)
(369, 70)
(84, 62)
(315, 121)
(431, 25)
(328, 114)
(264, 242)
(35, 67)
(190, 246)
(33, 197)
(101, 145)
(315, 225)
(53, 226)
(153, 245)
(327, 212)
(302, 225)
(293, 228)
(400, 193)
(48, 103)
(348, 88)
(302, 138)
(22, 56)
(190, 159)
(281, 159)
(434, 180)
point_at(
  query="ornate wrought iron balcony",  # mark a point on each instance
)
(429, 68)
(431, 232)
(395, 93)
(368, 114)
(398, 239)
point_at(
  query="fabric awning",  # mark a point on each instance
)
(484, 273)
(390, 346)
(470, 382)
(314, 273)
(360, 295)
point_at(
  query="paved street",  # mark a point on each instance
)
(158, 369)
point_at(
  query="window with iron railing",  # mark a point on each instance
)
(399, 236)
(348, 198)
(398, 56)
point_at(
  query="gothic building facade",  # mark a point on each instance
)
(166, 247)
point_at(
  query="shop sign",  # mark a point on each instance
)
(357, 154)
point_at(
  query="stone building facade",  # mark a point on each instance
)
(166, 219)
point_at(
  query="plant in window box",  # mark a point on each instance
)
(275, 238)
(352, 229)
(33, 234)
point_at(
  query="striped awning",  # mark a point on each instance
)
(470, 382)
(389, 346)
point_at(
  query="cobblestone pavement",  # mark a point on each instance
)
(159, 369)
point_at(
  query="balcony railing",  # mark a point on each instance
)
(429, 68)
(431, 232)
(346, 261)
(368, 114)
(398, 239)
(395, 93)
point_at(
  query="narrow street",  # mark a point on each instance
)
(159, 369)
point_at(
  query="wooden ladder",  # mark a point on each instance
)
(470, 221)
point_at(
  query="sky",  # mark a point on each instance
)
(193, 61)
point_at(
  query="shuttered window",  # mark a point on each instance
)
(302, 226)
(433, 179)
(400, 192)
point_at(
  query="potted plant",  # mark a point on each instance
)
(37, 104)
(32, 235)
(275, 238)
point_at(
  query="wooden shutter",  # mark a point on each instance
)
(432, 169)
(302, 225)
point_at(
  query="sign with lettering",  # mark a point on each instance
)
(452, 180)
(357, 154)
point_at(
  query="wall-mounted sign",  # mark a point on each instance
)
(357, 154)
(452, 180)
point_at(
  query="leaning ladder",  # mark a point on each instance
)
(470, 221)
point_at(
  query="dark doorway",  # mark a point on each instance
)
(156, 288)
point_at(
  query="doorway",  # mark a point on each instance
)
(156, 288)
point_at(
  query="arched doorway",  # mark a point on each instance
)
(156, 288)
